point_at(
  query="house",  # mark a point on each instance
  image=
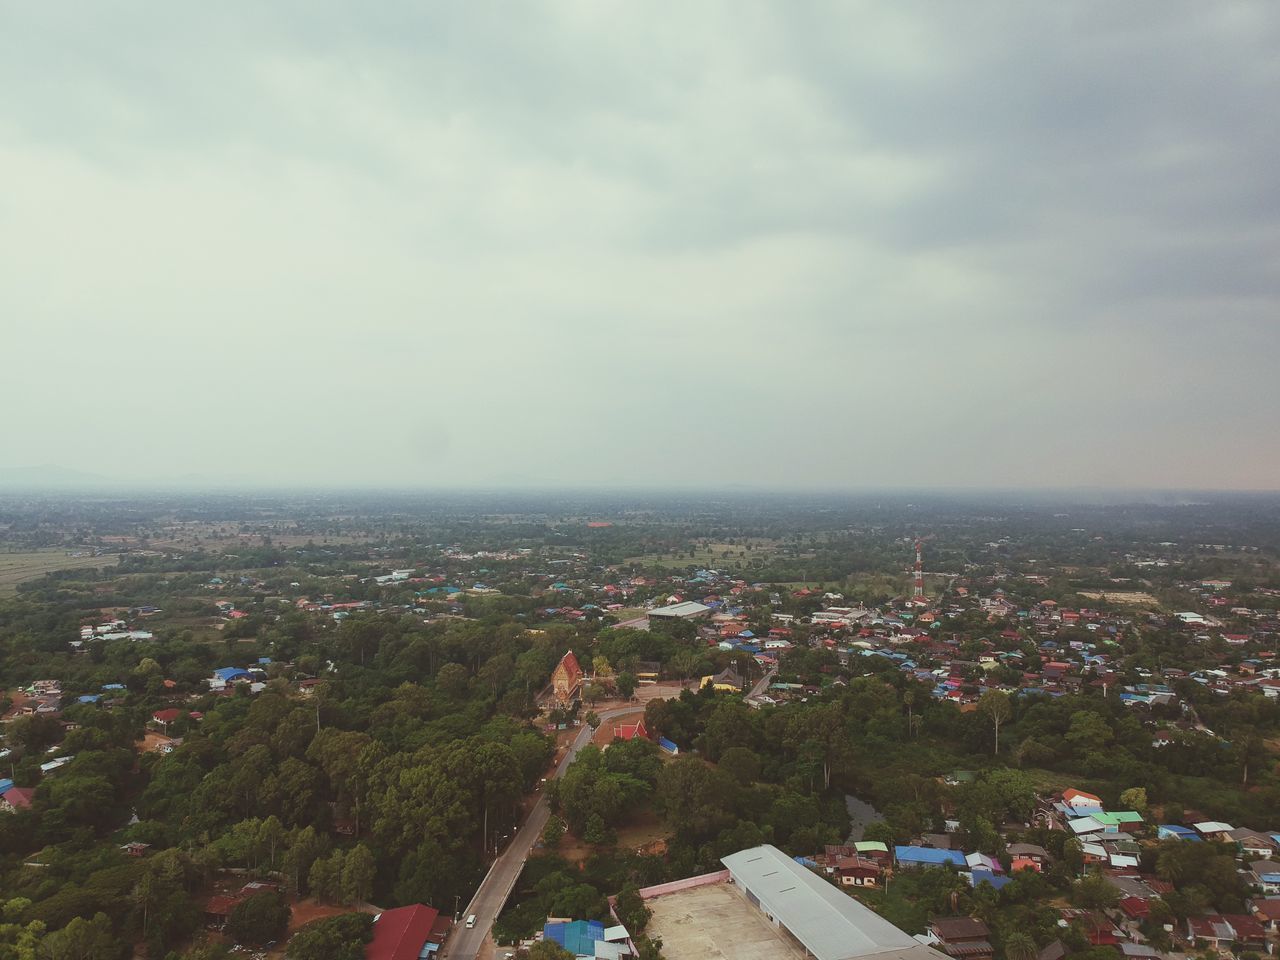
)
(857, 872)
(1175, 831)
(910, 857)
(224, 676)
(963, 937)
(407, 933)
(1266, 910)
(1253, 843)
(1081, 804)
(16, 798)
(1215, 830)
(1030, 851)
(1219, 932)
(579, 937)
(163, 718)
(1266, 874)
(566, 678)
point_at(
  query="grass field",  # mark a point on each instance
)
(15, 568)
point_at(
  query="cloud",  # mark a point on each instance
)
(770, 244)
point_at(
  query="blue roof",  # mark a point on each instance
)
(577, 936)
(929, 855)
(5, 784)
(113, 686)
(230, 673)
(89, 698)
(1176, 830)
(996, 880)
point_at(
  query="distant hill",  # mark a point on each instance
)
(49, 477)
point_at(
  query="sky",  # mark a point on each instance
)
(787, 245)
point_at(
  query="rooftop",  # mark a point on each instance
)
(827, 921)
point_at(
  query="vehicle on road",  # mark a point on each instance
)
(471, 921)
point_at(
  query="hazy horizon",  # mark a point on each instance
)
(761, 246)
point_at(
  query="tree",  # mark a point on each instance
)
(453, 680)
(549, 950)
(259, 919)
(358, 872)
(632, 911)
(83, 939)
(1019, 946)
(334, 938)
(994, 705)
(325, 877)
(626, 684)
(553, 832)
(1135, 798)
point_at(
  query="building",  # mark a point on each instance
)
(688, 610)
(828, 924)
(963, 938)
(587, 939)
(16, 798)
(631, 731)
(566, 678)
(727, 680)
(913, 857)
(407, 933)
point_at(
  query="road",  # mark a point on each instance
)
(491, 896)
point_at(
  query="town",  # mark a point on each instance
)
(590, 727)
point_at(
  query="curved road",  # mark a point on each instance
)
(491, 896)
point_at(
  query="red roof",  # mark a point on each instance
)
(572, 668)
(400, 933)
(1136, 907)
(19, 797)
(630, 731)
(166, 716)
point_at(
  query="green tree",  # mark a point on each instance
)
(358, 872)
(259, 919)
(334, 938)
(83, 939)
(549, 950)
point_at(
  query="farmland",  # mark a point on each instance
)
(20, 566)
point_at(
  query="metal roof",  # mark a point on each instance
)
(689, 608)
(828, 922)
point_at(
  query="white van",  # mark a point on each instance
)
(471, 921)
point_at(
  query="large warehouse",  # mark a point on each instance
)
(765, 906)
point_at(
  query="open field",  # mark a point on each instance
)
(1131, 598)
(15, 568)
(705, 553)
(715, 922)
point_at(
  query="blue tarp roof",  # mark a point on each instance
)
(577, 936)
(929, 855)
(981, 876)
(230, 673)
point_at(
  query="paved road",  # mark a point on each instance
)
(492, 894)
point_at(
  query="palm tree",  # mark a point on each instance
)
(1019, 946)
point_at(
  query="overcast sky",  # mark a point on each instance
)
(645, 244)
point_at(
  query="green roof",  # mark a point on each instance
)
(1120, 816)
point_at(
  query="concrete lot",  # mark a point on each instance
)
(715, 922)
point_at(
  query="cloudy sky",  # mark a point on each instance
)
(688, 244)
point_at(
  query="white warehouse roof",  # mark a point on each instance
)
(830, 923)
(689, 608)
